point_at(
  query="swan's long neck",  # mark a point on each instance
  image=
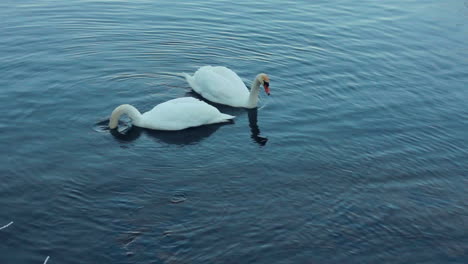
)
(125, 109)
(254, 91)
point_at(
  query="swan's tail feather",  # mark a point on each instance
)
(186, 75)
(189, 79)
(226, 117)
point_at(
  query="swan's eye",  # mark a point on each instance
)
(266, 84)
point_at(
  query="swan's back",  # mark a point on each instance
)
(182, 113)
(221, 85)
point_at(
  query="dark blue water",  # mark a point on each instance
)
(359, 156)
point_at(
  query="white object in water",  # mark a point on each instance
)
(7, 225)
(221, 85)
(176, 114)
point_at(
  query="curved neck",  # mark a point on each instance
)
(254, 91)
(128, 110)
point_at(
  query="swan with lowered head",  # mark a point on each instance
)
(221, 85)
(176, 114)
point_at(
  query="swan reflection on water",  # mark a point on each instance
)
(127, 133)
(252, 115)
(254, 129)
(187, 136)
(194, 135)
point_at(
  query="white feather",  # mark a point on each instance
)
(221, 85)
(176, 114)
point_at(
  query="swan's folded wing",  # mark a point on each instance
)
(229, 75)
(182, 100)
(221, 85)
(181, 113)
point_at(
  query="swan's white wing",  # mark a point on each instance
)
(182, 113)
(220, 85)
(229, 75)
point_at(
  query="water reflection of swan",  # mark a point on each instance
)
(254, 127)
(176, 114)
(187, 136)
(252, 115)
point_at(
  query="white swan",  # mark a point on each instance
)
(176, 114)
(222, 85)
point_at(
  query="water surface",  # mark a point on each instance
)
(358, 156)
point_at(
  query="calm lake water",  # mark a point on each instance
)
(360, 155)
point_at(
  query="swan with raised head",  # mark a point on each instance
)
(221, 85)
(175, 114)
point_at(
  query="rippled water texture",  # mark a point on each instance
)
(358, 156)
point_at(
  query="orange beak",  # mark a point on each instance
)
(266, 85)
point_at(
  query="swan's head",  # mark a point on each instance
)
(265, 81)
